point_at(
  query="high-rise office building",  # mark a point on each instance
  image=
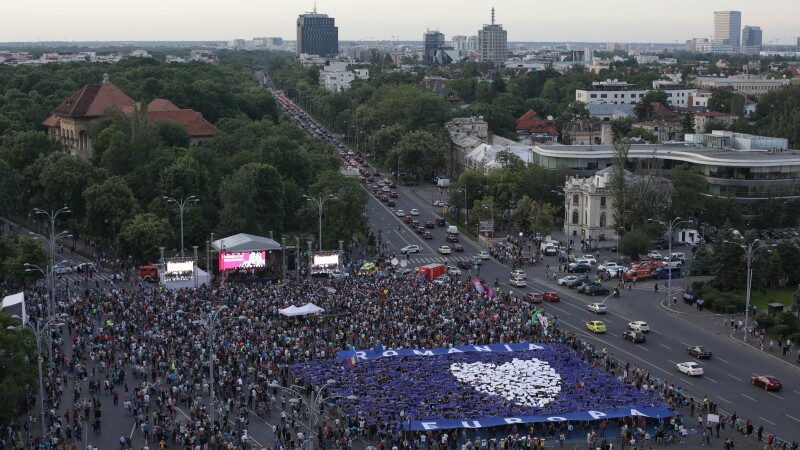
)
(472, 44)
(317, 34)
(431, 42)
(751, 40)
(728, 28)
(460, 44)
(493, 43)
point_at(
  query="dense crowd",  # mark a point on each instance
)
(146, 350)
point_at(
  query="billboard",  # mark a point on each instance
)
(179, 270)
(247, 260)
(325, 262)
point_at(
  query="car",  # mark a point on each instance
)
(655, 255)
(662, 244)
(589, 258)
(452, 238)
(336, 275)
(608, 265)
(580, 268)
(390, 203)
(476, 261)
(394, 194)
(483, 254)
(639, 325)
(768, 382)
(458, 247)
(533, 297)
(454, 271)
(419, 230)
(596, 289)
(414, 224)
(518, 282)
(407, 219)
(442, 280)
(427, 235)
(413, 248)
(577, 282)
(440, 222)
(596, 326)
(518, 274)
(551, 296)
(578, 261)
(444, 250)
(414, 212)
(429, 224)
(82, 267)
(698, 351)
(690, 368)
(567, 279)
(376, 173)
(464, 264)
(392, 185)
(634, 336)
(61, 269)
(438, 203)
(597, 308)
(384, 198)
(584, 288)
(400, 213)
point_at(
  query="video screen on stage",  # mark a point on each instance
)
(179, 271)
(246, 260)
(325, 262)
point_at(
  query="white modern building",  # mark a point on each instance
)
(620, 92)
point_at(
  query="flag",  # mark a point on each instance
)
(352, 360)
(379, 347)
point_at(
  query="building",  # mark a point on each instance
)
(335, 77)
(317, 34)
(460, 44)
(472, 44)
(747, 84)
(431, 42)
(70, 121)
(728, 28)
(609, 111)
(663, 130)
(588, 206)
(493, 43)
(751, 40)
(587, 132)
(620, 92)
(537, 128)
(702, 119)
(441, 87)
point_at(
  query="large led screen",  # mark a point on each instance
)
(247, 260)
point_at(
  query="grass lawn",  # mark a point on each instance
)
(780, 295)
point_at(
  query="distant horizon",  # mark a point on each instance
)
(361, 21)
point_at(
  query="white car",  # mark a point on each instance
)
(454, 271)
(639, 325)
(597, 308)
(518, 282)
(442, 280)
(439, 203)
(62, 269)
(608, 265)
(589, 258)
(690, 368)
(410, 249)
(578, 262)
(518, 274)
(655, 255)
(400, 213)
(444, 250)
(414, 212)
(567, 279)
(483, 254)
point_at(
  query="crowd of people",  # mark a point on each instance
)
(146, 351)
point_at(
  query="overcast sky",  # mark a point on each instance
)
(564, 20)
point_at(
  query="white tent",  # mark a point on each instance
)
(15, 305)
(308, 308)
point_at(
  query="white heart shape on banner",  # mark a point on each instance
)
(528, 382)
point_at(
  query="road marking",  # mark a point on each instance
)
(665, 346)
(793, 418)
(711, 380)
(133, 430)
(776, 395)
(673, 362)
(735, 378)
(747, 396)
(796, 391)
(726, 401)
(768, 421)
(720, 359)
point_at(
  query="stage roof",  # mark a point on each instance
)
(243, 242)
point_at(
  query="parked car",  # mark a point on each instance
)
(655, 255)
(597, 308)
(567, 279)
(690, 368)
(577, 282)
(634, 336)
(596, 326)
(596, 289)
(698, 351)
(444, 250)
(551, 296)
(639, 325)
(591, 259)
(768, 382)
(580, 268)
(607, 265)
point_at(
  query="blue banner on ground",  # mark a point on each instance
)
(651, 412)
(364, 355)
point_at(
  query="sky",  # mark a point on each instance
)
(563, 21)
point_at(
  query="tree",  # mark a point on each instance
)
(644, 110)
(108, 205)
(17, 368)
(720, 100)
(9, 186)
(421, 154)
(171, 134)
(689, 186)
(17, 251)
(252, 201)
(343, 217)
(142, 236)
(687, 121)
(775, 274)
(544, 218)
(796, 302)
(618, 189)
(633, 244)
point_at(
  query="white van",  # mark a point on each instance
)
(452, 229)
(678, 256)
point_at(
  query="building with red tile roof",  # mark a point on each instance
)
(541, 129)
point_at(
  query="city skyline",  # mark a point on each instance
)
(360, 20)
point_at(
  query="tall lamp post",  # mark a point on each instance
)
(210, 322)
(52, 217)
(670, 226)
(320, 202)
(37, 331)
(749, 256)
(491, 206)
(466, 210)
(181, 203)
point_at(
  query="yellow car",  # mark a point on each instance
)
(596, 326)
(368, 269)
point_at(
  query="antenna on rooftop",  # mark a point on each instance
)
(492, 15)
(315, 7)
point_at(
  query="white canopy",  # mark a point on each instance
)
(308, 308)
(15, 305)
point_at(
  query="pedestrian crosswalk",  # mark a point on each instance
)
(436, 259)
(74, 277)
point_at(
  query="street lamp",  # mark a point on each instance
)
(749, 256)
(491, 205)
(37, 331)
(669, 227)
(181, 207)
(466, 210)
(320, 202)
(210, 322)
(52, 216)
